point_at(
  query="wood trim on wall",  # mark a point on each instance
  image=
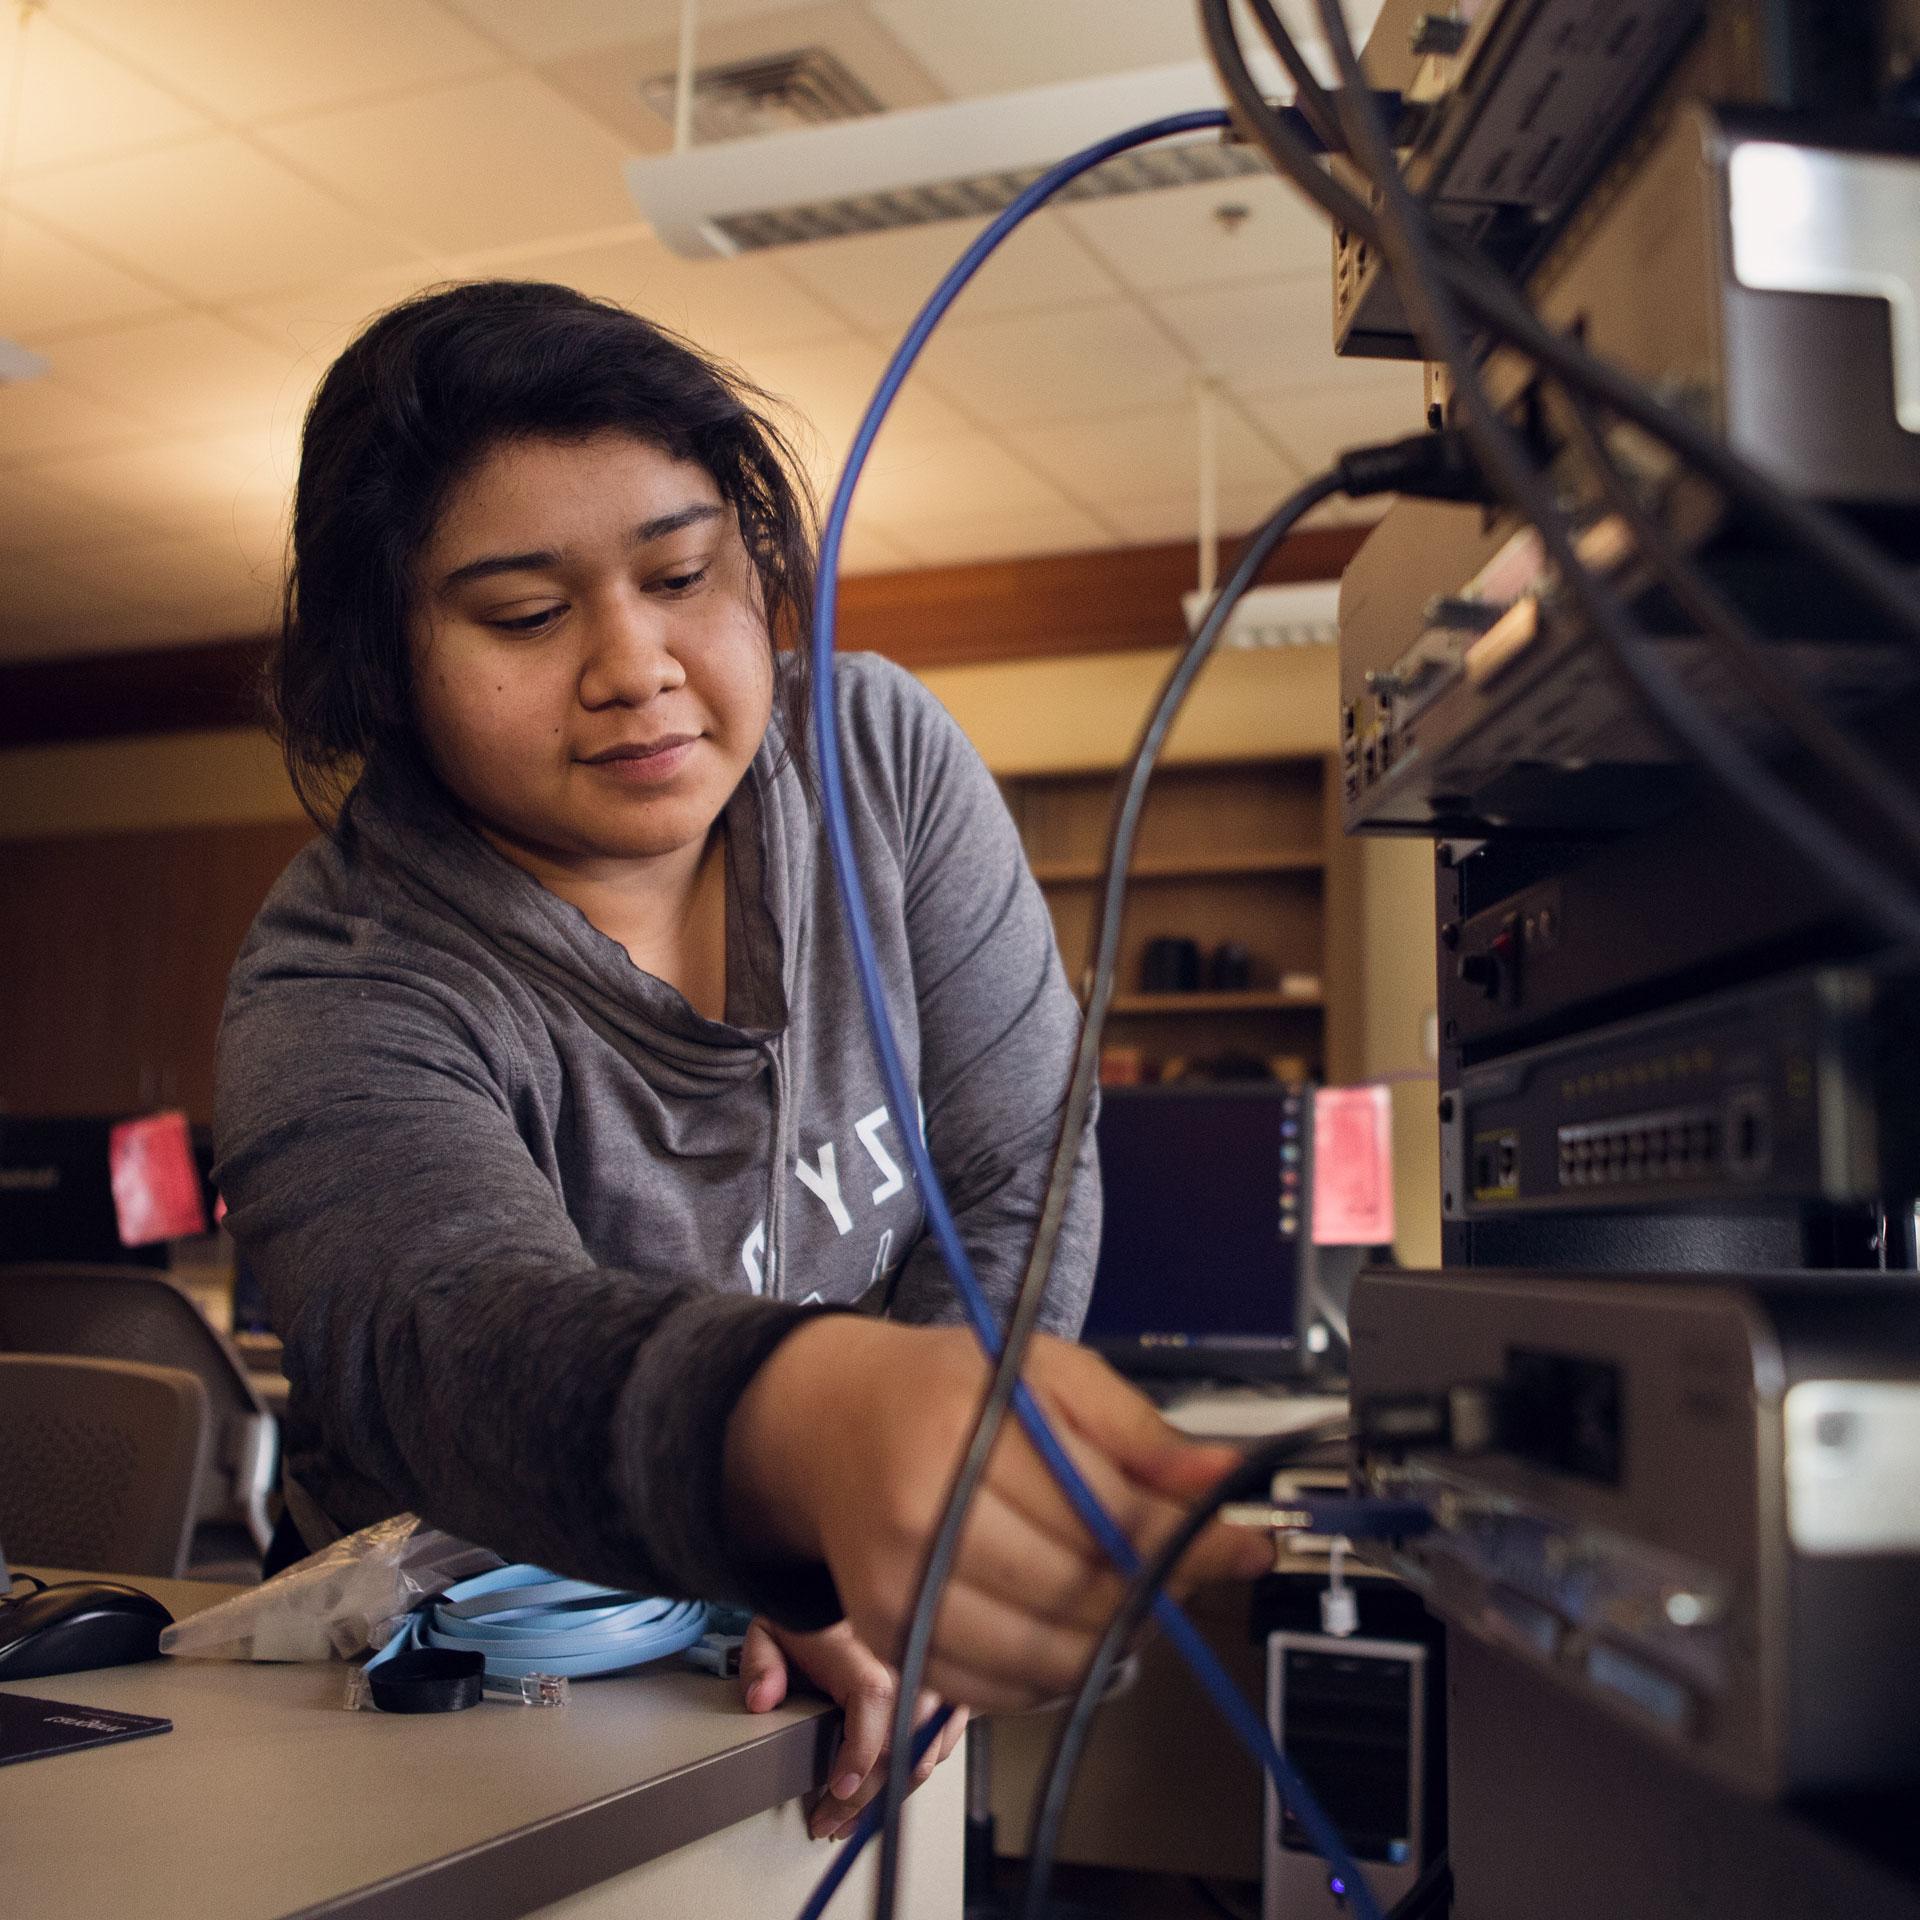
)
(1115, 601)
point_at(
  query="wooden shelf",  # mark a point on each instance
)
(1195, 866)
(1256, 1002)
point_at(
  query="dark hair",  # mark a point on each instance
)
(426, 391)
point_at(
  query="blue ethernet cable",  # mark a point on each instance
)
(1247, 1725)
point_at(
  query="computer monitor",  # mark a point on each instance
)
(56, 1194)
(1207, 1263)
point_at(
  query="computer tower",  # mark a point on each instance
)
(1353, 1716)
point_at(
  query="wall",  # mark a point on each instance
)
(1026, 717)
(131, 785)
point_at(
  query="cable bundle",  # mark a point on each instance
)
(524, 1621)
(1437, 271)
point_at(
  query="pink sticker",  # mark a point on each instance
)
(156, 1186)
(1352, 1167)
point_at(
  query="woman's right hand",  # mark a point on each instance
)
(844, 1445)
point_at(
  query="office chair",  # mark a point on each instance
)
(100, 1461)
(139, 1313)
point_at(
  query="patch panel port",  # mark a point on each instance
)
(1749, 1132)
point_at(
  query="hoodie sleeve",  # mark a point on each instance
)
(446, 1331)
(998, 1024)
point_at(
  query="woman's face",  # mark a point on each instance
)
(591, 668)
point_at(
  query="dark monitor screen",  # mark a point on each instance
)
(1206, 1219)
(56, 1194)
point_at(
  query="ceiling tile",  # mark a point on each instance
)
(1053, 366)
(959, 475)
(1268, 335)
(314, 324)
(1147, 455)
(182, 485)
(497, 163)
(1004, 536)
(727, 307)
(215, 219)
(556, 28)
(210, 582)
(39, 515)
(880, 281)
(249, 61)
(48, 284)
(45, 415)
(43, 588)
(1175, 239)
(989, 46)
(828, 385)
(866, 549)
(1177, 517)
(1314, 426)
(78, 103)
(194, 371)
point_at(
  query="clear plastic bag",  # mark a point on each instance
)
(338, 1602)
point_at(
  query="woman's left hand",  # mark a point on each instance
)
(862, 1685)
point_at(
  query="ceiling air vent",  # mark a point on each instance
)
(773, 93)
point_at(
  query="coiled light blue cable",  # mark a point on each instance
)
(525, 1620)
(1247, 1724)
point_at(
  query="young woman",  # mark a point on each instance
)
(546, 1111)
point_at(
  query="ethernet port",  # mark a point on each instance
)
(1749, 1134)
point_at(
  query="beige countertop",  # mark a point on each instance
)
(268, 1799)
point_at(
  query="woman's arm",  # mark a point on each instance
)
(460, 1349)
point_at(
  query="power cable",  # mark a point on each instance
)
(1130, 797)
(1314, 102)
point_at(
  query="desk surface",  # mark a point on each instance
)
(269, 1799)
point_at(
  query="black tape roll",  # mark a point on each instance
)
(428, 1680)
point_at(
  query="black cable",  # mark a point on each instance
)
(1219, 1902)
(1404, 237)
(1500, 307)
(1430, 1897)
(1315, 103)
(1740, 647)
(1433, 464)
(1252, 1479)
(1130, 797)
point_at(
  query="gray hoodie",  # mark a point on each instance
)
(528, 1223)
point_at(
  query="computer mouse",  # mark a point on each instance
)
(76, 1625)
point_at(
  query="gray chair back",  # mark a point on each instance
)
(100, 1461)
(139, 1313)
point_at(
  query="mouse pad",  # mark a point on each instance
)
(31, 1728)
